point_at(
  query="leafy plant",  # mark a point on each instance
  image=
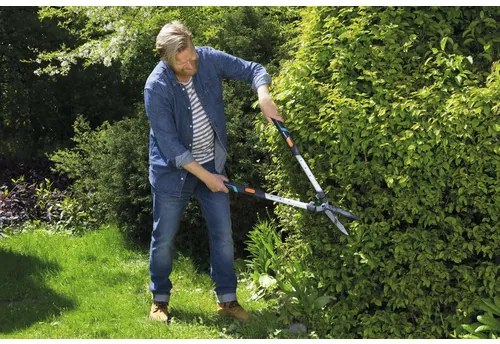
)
(264, 247)
(37, 110)
(16, 204)
(289, 286)
(488, 323)
(302, 297)
(29, 205)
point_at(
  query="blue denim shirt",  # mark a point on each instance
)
(170, 119)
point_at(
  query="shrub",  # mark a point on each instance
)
(108, 168)
(395, 110)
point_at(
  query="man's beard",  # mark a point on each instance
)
(187, 73)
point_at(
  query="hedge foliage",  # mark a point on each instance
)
(396, 112)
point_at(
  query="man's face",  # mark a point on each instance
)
(185, 64)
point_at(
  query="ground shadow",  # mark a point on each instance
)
(260, 326)
(24, 297)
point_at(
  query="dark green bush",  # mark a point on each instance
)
(396, 112)
(108, 167)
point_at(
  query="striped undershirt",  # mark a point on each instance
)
(203, 134)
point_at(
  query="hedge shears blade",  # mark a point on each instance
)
(324, 207)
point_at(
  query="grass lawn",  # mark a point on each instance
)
(93, 286)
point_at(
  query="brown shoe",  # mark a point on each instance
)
(159, 311)
(233, 309)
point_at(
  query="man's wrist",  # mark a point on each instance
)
(263, 92)
(199, 171)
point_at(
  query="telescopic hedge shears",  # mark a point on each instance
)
(323, 207)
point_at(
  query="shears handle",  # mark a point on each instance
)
(320, 194)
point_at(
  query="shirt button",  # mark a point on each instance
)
(189, 107)
(182, 178)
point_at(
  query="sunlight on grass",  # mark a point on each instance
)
(61, 286)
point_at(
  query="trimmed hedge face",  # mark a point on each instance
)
(396, 112)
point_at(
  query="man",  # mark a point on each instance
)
(188, 149)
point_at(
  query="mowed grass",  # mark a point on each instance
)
(93, 286)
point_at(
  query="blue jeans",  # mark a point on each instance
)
(167, 214)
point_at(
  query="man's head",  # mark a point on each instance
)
(175, 45)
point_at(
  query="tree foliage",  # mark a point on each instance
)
(36, 111)
(396, 111)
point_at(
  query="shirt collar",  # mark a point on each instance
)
(168, 71)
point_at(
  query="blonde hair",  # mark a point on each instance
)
(173, 38)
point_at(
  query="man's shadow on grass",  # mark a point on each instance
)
(24, 297)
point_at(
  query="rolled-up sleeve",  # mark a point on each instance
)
(159, 112)
(261, 79)
(183, 159)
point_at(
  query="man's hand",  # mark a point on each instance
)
(215, 182)
(267, 105)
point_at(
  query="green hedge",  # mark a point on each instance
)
(396, 112)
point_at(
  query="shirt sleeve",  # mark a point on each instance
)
(232, 67)
(162, 123)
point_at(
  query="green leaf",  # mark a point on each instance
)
(266, 281)
(469, 328)
(322, 301)
(483, 328)
(489, 306)
(443, 42)
(488, 319)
